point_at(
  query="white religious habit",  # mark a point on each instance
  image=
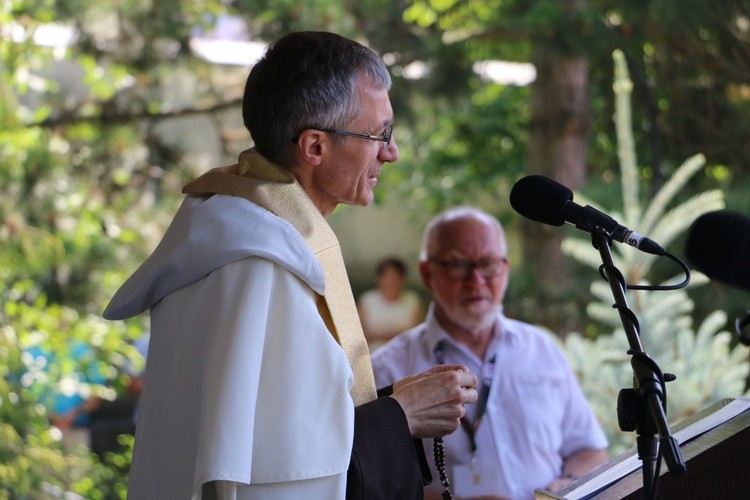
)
(245, 333)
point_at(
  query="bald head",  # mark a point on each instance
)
(439, 230)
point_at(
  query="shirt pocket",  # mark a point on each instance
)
(541, 402)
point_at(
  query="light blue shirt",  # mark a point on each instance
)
(536, 412)
(87, 373)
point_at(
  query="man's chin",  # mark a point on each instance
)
(480, 316)
(363, 198)
(475, 323)
(480, 309)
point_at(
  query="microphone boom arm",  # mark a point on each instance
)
(649, 390)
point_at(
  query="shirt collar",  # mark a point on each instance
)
(502, 333)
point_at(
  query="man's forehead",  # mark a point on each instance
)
(458, 236)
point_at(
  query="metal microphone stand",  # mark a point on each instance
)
(643, 408)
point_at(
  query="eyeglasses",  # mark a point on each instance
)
(384, 137)
(463, 269)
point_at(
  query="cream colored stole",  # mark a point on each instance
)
(275, 189)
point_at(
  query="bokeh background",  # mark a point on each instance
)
(642, 107)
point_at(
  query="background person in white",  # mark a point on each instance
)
(390, 308)
(531, 426)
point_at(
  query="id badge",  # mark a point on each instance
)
(476, 480)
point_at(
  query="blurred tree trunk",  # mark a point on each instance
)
(560, 122)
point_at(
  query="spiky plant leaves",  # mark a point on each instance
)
(709, 366)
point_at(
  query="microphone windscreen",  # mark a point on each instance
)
(718, 245)
(540, 199)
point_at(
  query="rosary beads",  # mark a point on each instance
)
(439, 454)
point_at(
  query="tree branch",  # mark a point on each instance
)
(108, 118)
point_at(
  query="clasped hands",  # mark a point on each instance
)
(434, 400)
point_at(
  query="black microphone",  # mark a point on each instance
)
(718, 245)
(541, 199)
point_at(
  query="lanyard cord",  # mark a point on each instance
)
(470, 429)
(488, 370)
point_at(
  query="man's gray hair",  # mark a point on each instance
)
(458, 213)
(306, 80)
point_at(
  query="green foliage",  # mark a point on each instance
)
(468, 148)
(657, 220)
(707, 364)
(33, 462)
(688, 74)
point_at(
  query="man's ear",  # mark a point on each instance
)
(425, 273)
(313, 145)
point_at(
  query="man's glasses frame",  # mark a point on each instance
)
(463, 269)
(385, 137)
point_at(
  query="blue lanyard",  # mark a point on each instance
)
(488, 369)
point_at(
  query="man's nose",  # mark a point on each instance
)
(389, 151)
